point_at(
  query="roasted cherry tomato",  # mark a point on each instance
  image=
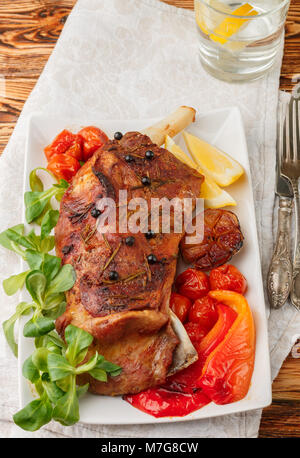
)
(180, 306)
(93, 138)
(222, 239)
(61, 144)
(204, 312)
(76, 149)
(228, 277)
(63, 166)
(195, 331)
(186, 380)
(193, 284)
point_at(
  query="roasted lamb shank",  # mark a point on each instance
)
(121, 295)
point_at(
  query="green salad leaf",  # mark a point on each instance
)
(36, 201)
(9, 325)
(49, 221)
(55, 364)
(66, 410)
(35, 415)
(38, 326)
(53, 368)
(30, 371)
(7, 243)
(12, 284)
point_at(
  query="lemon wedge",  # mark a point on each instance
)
(216, 164)
(171, 146)
(213, 195)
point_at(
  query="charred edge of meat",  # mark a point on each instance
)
(80, 214)
(109, 189)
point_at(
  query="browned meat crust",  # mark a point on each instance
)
(222, 239)
(129, 318)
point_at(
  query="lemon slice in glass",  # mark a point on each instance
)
(213, 195)
(216, 164)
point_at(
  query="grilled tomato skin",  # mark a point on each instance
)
(221, 240)
(192, 284)
(63, 166)
(204, 312)
(63, 142)
(195, 331)
(228, 277)
(180, 306)
(93, 138)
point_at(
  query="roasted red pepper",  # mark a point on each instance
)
(93, 138)
(180, 395)
(180, 306)
(161, 402)
(226, 317)
(228, 367)
(189, 377)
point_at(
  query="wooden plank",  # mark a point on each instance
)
(281, 420)
(28, 31)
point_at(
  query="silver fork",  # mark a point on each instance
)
(291, 170)
(280, 274)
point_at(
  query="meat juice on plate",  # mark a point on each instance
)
(239, 40)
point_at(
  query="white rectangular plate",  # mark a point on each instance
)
(224, 129)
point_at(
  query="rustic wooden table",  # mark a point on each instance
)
(28, 32)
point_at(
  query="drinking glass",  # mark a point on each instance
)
(239, 41)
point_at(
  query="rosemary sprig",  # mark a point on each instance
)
(106, 242)
(111, 258)
(128, 298)
(125, 279)
(88, 233)
(147, 268)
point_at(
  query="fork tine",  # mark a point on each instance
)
(286, 134)
(293, 133)
(280, 150)
(297, 127)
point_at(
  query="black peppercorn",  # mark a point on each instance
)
(118, 136)
(129, 158)
(95, 212)
(113, 275)
(129, 240)
(66, 249)
(151, 258)
(150, 234)
(146, 181)
(149, 155)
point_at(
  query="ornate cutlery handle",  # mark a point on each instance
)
(295, 291)
(279, 280)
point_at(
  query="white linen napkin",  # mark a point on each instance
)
(139, 59)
